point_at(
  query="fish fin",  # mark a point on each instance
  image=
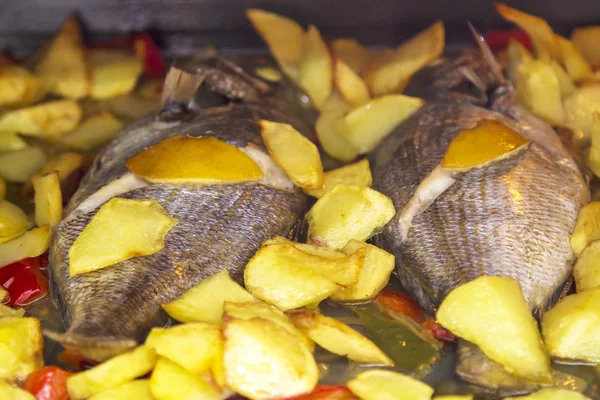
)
(299, 232)
(94, 348)
(488, 55)
(180, 88)
(558, 294)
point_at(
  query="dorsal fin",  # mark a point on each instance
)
(180, 87)
(488, 55)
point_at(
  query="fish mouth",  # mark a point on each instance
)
(92, 348)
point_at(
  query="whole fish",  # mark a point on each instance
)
(511, 218)
(220, 226)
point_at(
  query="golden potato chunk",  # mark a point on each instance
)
(112, 373)
(350, 85)
(6, 311)
(205, 160)
(580, 108)
(374, 273)
(338, 338)
(10, 392)
(358, 174)
(11, 141)
(492, 313)
(566, 84)
(391, 71)
(366, 126)
(120, 230)
(264, 360)
(587, 268)
(352, 53)
(329, 129)
(138, 390)
(570, 327)
(48, 200)
(51, 119)
(381, 385)
(21, 347)
(94, 131)
(268, 74)
(13, 221)
(576, 65)
(538, 87)
(114, 72)
(19, 166)
(587, 228)
(517, 54)
(553, 394)
(170, 381)
(348, 212)
(586, 40)
(4, 295)
(19, 87)
(294, 153)
(316, 68)
(32, 243)
(63, 65)
(204, 302)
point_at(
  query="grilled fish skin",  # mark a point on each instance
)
(220, 226)
(512, 218)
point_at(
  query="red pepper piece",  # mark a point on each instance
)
(498, 40)
(49, 383)
(25, 280)
(397, 302)
(73, 360)
(327, 392)
(438, 331)
(149, 53)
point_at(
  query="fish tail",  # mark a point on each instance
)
(92, 347)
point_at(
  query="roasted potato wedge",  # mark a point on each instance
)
(379, 384)
(352, 53)
(587, 228)
(349, 84)
(114, 72)
(63, 66)
(69, 166)
(315, 73)
(576, 65)
(13, 221)
(171, 381)
(566, 84)
(294, 153)
(586, 40)
(94, 131)
(112, 373)
(587, 268)
(358, 174)
(580, 108)
(6, 311)
(338, 338)
(553, 394)
(329, 129)
(509, 335)
(19, 87)
(51, 119)
(264, 360)
(138, 390)
(19, 166)
(21, 347)
(268, 74)
(517, 54)
(10, 392)
(204, 302)
(10, 141)
(30, 244)
(120, 230)
(538, 87)
(374, 273)
(391, 71)
(4, 295)
(348, 212)
(48, 200)
(570, 327)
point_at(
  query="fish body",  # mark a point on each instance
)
(220, 226)
(511, 218)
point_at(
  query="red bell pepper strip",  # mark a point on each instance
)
(25, 280)
(498, 40)
(327, 392)
(73, 360)
(49, 383)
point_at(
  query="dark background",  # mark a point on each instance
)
(188, 25)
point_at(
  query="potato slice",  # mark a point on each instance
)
(348, 212)
(94, 131)
(112, 373)
(282, 281)
(6, 311)
(570, 327)
(537, 29)
(284, 37)
(587, 268)
(358, 174)
(48, 200)
(586, 40)
(587, 228)
(566, 84)
(170, 381)
(138, 390)
(374, 274)
(329, 130)
(51, 119)
(66, 165)
(19, 87)
(32, 243)
(120, 230)
(352, 53)
(63, 66)
(576, 65)
(366, 126)
(338, 338)
(4, 295)
(380, 385)
(264, 360)
(508, 335)
(350, 85)
(206, 160)
(552, 394)
(538, 87)
(114, 72)
(391, 71)
(10, 392)
(580, 108)
(268, 74)
(10, 141)
(19, 166)
(517, 54)
(294, 153)
(13, 221)
(204, 302)
(316, 68)
(21, 347)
